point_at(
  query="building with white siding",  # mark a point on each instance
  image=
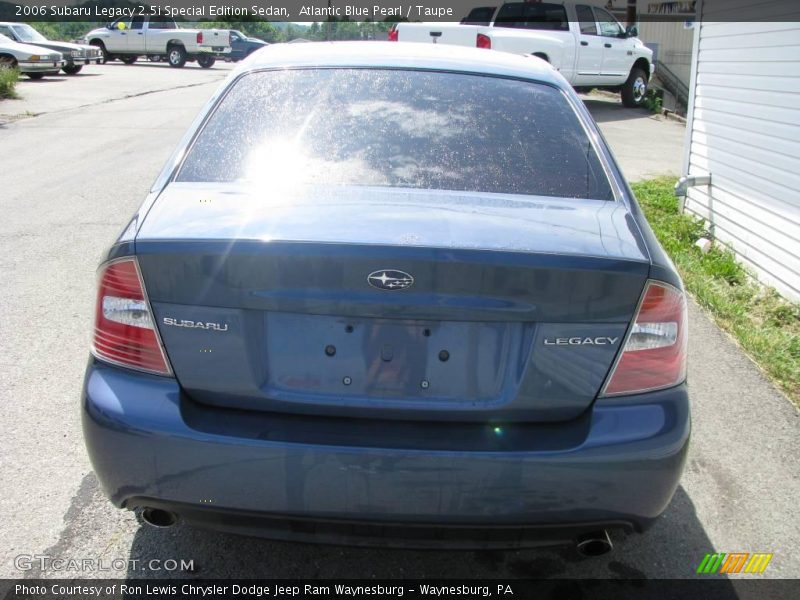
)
(744, 131)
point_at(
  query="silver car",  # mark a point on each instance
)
(33, 61)
(75, 55)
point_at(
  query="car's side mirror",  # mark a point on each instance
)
(631, 31)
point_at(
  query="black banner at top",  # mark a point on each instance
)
(308, 11)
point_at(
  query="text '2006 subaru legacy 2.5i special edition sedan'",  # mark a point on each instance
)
(401, 294)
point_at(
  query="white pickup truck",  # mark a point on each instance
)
(585, 43)
(131, 37)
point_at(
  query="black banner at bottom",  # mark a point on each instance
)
(441, 589)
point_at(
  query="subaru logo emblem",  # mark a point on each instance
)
(390, 279)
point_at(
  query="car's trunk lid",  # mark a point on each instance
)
(517, 309)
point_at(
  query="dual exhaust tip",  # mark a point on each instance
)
(595, 543)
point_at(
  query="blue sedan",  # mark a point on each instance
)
(398, 297)
(243, 46)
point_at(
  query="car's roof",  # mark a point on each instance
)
(402, 55)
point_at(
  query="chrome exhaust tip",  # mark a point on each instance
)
(156, 517)
(595, 543)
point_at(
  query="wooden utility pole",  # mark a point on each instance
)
(328, 22)
(630, 13)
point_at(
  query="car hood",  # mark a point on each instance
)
(60, 46)
(23, 50)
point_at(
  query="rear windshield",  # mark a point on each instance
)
(526, 15)
(397, 128)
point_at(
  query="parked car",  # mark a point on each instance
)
(415, 303)
(75, 55)
(129, 38)
(33, 61)
(586, 44)
(243, 46)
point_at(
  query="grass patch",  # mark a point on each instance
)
(766, 326)
(8, 83)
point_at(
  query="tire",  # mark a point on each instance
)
(72, 69)
(106, 56)
(176, 56)
(128, 60)
(634, 91)
(8, 62)
(155, 58)
(206, 61)
(35, 76)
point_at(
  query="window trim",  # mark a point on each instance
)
(170, 174)
(597, 10)
(594, 20)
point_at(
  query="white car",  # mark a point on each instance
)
(586, 44)
(76, 56)
(33, 61)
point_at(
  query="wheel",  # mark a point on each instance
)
(128, 60)
(8, 62)
(106, 56)
(72, 69)
(206, 61)
(155, 58)
(176, 56)
(634, 90)
(35, 76)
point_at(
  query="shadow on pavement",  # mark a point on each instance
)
(604, 111)
(672, 548)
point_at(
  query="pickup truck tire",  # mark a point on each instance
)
(72, 70)
(176, 56)
(634, 91)
(128, 60)
(206, 61)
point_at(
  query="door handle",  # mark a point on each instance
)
(607, 45)
(584, 43)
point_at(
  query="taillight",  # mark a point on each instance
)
(393, 33)
(654, 355)
(124, 331)
(483, 41)
(199, 37)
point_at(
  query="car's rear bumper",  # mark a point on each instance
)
(333, 480)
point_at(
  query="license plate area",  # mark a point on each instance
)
(351, 360)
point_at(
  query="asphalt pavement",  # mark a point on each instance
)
(71, 176)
